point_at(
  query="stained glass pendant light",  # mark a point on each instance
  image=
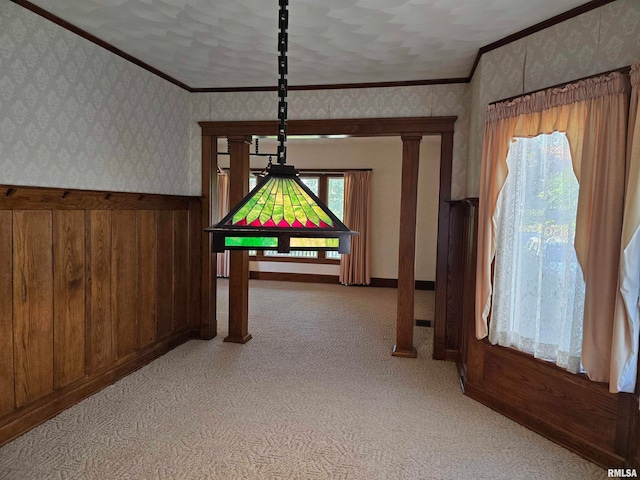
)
(281, 213)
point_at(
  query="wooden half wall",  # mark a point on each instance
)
(569, 409)
(93, 285)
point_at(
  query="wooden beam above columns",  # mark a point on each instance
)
(406, 127)
(340, 126)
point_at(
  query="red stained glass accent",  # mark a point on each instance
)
(323, 225)
(269, 223)
(283, 223)
(310, 224)
(297, 224)
(256, 223)
(242, 222)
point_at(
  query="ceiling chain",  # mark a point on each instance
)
(282, 82)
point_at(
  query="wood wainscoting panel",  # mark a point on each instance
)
(569, 409)
(570, 402)
(147, 262)
(7, 385)
(124, 263)
(634, 448)
(627, 426)
(165, 274)
(21, 421)
(180, 269)
(44, 198)
(69, 296)
(32, 304)
(100, 331)
(92, 286)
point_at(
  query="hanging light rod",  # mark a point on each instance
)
(256, 154)
(304, 137)
(281, 212)
(251, 154)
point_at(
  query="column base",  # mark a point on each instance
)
(413, 353)
(238, 339)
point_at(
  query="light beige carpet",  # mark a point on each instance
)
(315, 395)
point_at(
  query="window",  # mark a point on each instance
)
(335, 202)
(539, 291)
(593, 119)
(329, 187)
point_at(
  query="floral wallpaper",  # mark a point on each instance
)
(597, 41)
(428, 100)
(499, 75)
(564, 52)
(74, 115)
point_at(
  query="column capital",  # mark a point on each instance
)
(408, 137)
(239, 139)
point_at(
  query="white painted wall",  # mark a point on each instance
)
(384, 156)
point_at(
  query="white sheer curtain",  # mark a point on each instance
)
(593, 114)
(538, 302)
(624, 361)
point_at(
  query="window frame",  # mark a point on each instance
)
(552, 363)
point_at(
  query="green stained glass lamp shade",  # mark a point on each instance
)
(281, 213)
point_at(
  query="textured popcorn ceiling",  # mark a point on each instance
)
(232, 43)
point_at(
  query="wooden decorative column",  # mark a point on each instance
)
(239, 260)
(366, 127)
(406, 258)
(446, 292)
(208, 321)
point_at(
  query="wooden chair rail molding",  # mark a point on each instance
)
(569, 409)
(93, 285)
(43, 198)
